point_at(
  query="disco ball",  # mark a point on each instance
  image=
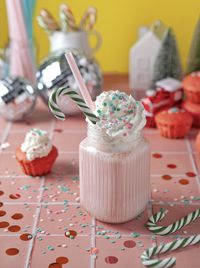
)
(54, 72)
(17, 98)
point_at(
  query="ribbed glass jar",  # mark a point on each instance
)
(114, 176)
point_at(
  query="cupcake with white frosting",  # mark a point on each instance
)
(36, 154)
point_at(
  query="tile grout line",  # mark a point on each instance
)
(38, 210)
(61, 152)
(5, 134)
(75, 152)
(173, 175)
(86, 235)
(78, 204)
(42, 203)
(37, 214)
(93, 243)
(193, 162)
(75, 175)
(174, 203)
(79, 235)
(31, 178)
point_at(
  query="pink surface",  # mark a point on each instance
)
(50, 206)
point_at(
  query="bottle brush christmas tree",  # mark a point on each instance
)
(167, 63)
(193, 63)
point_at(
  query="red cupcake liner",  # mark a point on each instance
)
(193, 96)
(39, 166)
(172, 131)
(194, 111)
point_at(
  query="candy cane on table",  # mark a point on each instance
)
(171, 246)
(89, 18)
(67, 19)
(56, 94)
(164, 230)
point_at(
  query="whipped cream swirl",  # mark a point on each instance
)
(37, 144)
(121, 116)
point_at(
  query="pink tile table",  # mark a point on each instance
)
(36, 213)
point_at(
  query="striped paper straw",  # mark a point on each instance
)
(165, 230)
(56, 94)
(163, 248)
(79, 80)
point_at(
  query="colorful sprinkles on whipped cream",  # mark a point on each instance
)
(120, 114)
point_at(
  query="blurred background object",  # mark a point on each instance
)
(17, 98)
(118, 22)
(21, 58)
(193, 61)
(17, 95)
(142, 58)
(159, 47)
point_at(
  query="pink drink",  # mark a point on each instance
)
(114, 171)
(114, 186)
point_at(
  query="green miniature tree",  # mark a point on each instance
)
(167, 63)
(193, 62)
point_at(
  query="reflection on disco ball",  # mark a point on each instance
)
(17, 98)
(54, 72)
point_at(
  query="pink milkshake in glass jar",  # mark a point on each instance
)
(114, 160)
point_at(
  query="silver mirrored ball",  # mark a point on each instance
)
(17, 98)
(54, 72)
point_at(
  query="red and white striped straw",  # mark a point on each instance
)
(79, 80)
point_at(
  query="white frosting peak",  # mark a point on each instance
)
(120, 114)
(37, 144)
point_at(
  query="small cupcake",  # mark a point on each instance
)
(194, 110)
(198, 142)
(173, 123)
(36, 155)
(191, 86)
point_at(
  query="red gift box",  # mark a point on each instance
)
(167, 94)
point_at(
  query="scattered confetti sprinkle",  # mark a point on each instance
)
(135, 235)
(190, 174)
(172, 166)
(156, 155)
(184, 181)
(5, 145)
(166, 177)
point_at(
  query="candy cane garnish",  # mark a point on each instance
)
(89, 18)
(165, 230)
(67, 19)
(163, 248)
(47, 21)
(56, 94)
